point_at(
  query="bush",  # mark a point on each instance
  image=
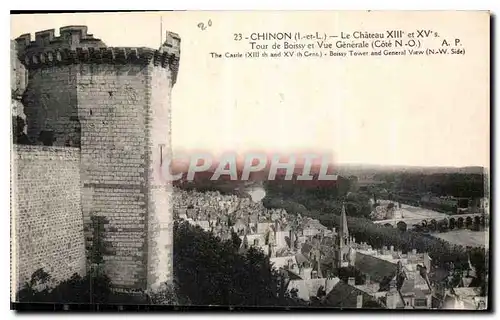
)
(77, 289)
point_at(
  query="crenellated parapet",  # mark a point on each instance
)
(108, 55)
(75, 46)
(172, 46)
(71, 37)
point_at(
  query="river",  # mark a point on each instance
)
(463, 237)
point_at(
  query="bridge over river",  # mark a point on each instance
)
(415, 215)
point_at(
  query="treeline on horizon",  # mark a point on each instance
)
(202, 182)
(460, 185)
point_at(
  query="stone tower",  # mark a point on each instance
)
(114, 105)
(343, 243)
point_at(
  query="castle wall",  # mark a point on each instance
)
(50, 104)
(48, 225)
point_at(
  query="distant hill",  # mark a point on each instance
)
(371, 174)
(368, 171)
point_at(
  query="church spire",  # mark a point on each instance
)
(343, 242)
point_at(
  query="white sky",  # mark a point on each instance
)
(431, 111)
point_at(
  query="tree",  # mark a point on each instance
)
(235, 239)
(433, 225)
(345, 273)
(452, 224)
(166, 295)
(417, 228)
(98, 247)
(442, 226)
(476, 225)
(402, 226)
(38, 285)
(468, 222)
(77, 289)
(18, 136)
(371, 304)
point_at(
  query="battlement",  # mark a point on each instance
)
(173, 42)
(76, 46)
(71, 37)
(108, 55)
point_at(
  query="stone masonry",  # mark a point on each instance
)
(48, 224)
(113, 105)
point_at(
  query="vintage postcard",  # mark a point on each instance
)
(267, 159)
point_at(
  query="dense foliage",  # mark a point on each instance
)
(468, 185)
(351, 272)
(303, 191)
(77, 289)
(209, 271)
(202, 183)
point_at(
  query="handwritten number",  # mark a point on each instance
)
(202, 26)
